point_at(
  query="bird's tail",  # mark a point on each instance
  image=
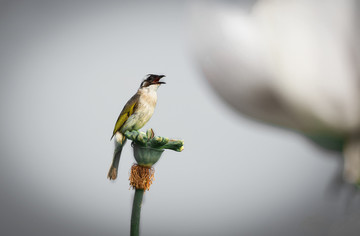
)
(119, 144)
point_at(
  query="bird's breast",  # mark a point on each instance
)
(144, 111)
(148, 100)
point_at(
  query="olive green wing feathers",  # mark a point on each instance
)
(126, 112)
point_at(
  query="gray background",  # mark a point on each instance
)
(68, 67)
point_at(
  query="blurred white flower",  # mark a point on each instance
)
(294, 64)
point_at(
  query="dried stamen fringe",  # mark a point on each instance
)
(141, 177)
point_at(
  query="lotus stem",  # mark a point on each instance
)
(136, 210)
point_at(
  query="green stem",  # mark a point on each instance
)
(135, 215)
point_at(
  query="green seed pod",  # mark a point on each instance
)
(131, 134)
(176, 145)
(150, 133)
(146, 156)
(141, 138)
(158, 141)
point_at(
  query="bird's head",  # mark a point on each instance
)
(152, 79)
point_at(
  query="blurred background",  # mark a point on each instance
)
(68, 67)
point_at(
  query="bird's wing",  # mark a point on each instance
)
(126, 112)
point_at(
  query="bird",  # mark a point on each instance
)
(135, 114)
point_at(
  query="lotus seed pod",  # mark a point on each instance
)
(146, 156)
(142, 138)
(150, 133)
(131, 134)
(176, 145)
(158, 141)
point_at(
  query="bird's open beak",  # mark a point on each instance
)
(157, 80)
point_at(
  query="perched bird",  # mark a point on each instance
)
(135, 114)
